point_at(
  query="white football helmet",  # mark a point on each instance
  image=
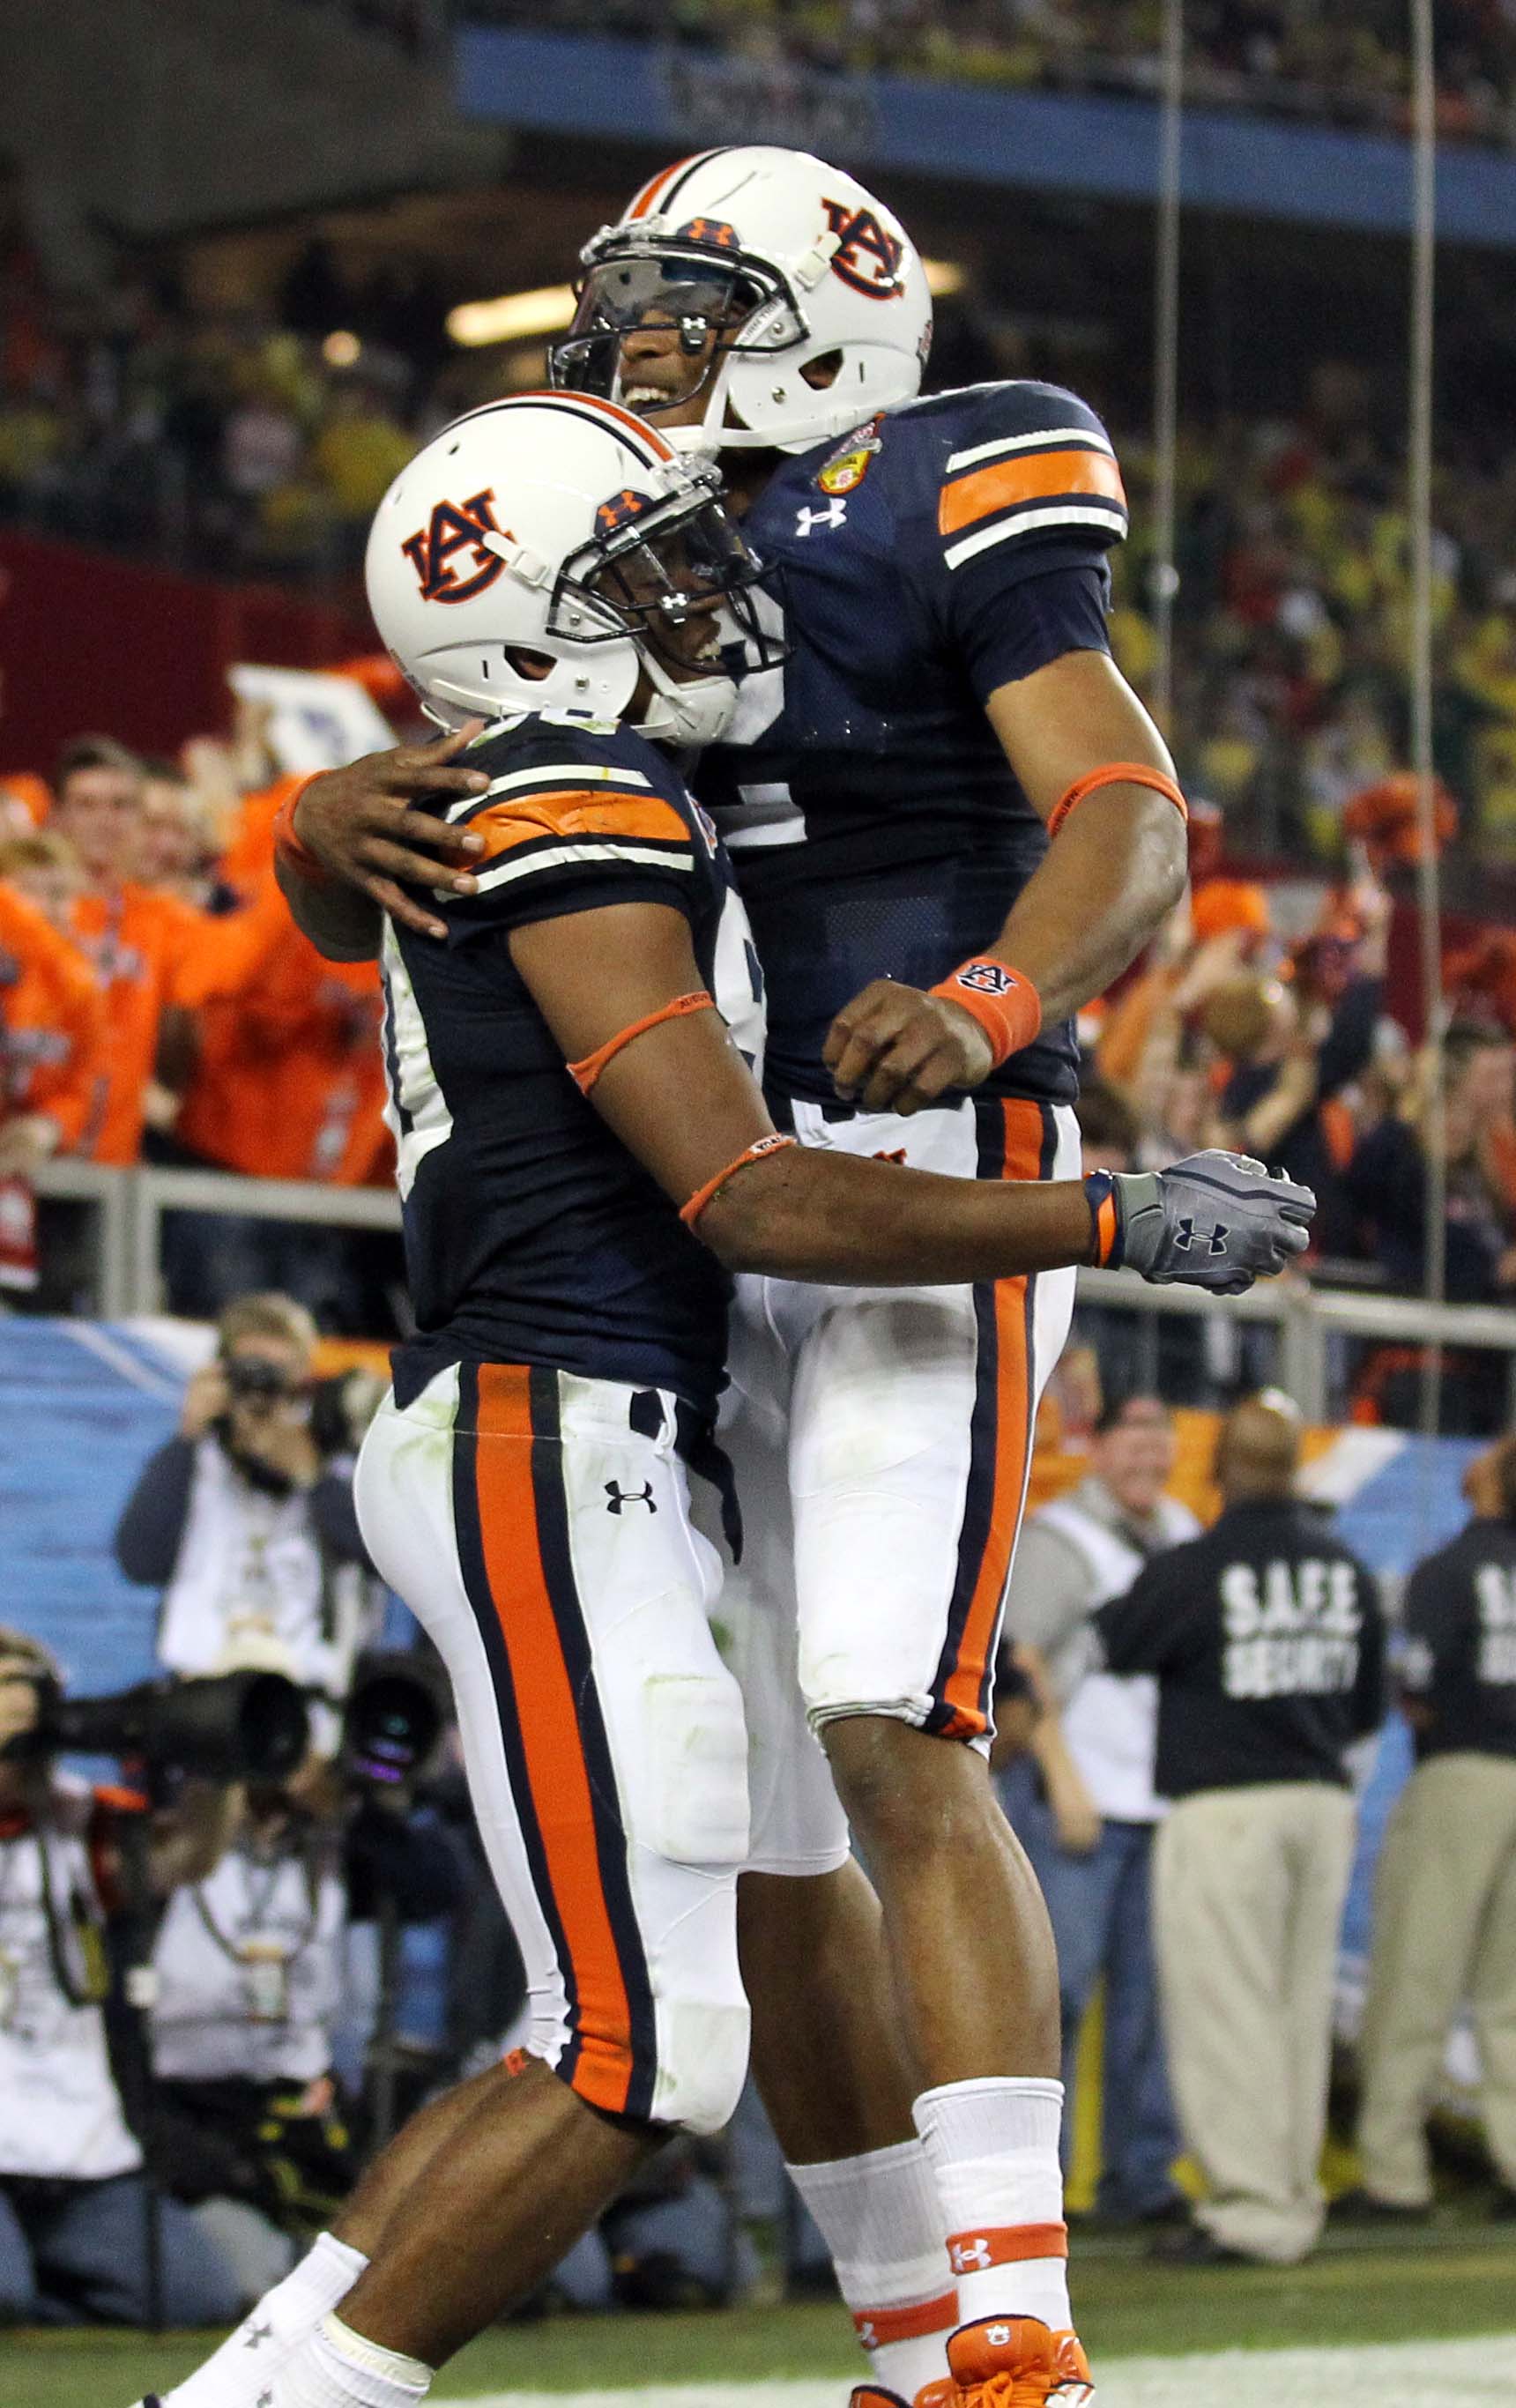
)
(563, 527)
(789, 263)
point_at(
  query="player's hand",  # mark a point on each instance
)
(358, 824)
(1215, 1219)
(893, 1049)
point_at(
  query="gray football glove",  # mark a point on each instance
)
(1215, 1219)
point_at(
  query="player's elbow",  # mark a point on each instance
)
(1165, 856)
(768, 1222)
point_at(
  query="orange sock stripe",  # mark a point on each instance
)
(1116, 773)
(1006, 2244)
(588, 1068)
(556, 1772)
(963, 1689)
(881, 2328)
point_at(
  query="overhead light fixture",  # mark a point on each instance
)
(513, 317)
(943, 277)
(341, 350)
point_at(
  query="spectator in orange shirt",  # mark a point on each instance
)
(152, 952)
(288, 1083)
(51, 1010)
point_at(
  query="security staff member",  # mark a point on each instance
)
(1445, 1891)
(1267, 1641)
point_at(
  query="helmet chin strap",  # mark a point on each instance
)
(696, 713)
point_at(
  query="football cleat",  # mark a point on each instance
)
(1018, 2362)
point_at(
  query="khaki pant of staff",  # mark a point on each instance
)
(1444, 1931)
(1247, 1892)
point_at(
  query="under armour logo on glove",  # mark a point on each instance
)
(256, 2335)
(619, 1497)
(1168, 1225)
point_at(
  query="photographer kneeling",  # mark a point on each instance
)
(75, 2210)
(247, 2124)
(246, 1518)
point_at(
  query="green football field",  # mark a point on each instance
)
(1347, 2298)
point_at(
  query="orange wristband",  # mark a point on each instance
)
(286, 841)
(1006, 1006)
(690, 1213)
(584, 1073)
(1116, 773)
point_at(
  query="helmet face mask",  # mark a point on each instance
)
(717, 303)
(760, 268)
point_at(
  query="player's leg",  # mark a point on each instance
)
(911, 1426)
(603, 1744)
(826, 2030)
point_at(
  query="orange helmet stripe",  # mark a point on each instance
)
(642, 206)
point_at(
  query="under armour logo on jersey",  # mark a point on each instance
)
(619, 1497)
(455, 527)
(966, 2255)
(866, 257)
(256, 2335)
(807, 520)
(867, 2336)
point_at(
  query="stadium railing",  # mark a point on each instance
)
(1310, 1333)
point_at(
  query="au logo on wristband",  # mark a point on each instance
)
(986, 978)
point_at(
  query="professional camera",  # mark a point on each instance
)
(393, 1719)
(240, 1727)
(251, 1376)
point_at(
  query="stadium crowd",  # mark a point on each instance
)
(1281, 55)
(158, 1004)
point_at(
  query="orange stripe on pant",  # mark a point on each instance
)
(1022, 1159)
(555, 1768)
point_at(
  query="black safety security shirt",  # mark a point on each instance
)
(1460, 1652)
(1267, 1638)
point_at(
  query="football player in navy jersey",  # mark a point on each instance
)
(560, 1082)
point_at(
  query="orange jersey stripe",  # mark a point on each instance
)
(555, 1768)
(1012, 1448)
(1026, 476)
(578, 813)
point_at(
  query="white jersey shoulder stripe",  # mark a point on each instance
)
(1089, 436)
(559, 856)
(553, 773)
(1107, 516)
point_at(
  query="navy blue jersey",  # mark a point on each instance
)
(939, 551)
(532, 1235)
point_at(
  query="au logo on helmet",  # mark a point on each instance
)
(455, 527)
(867, 257)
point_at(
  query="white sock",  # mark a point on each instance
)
(334, 2367)
(880, 2219)
(993, 2147)
(241, 2370)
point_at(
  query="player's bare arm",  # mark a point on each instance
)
(1116, 866)
(354, 845)
(681, 1099)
